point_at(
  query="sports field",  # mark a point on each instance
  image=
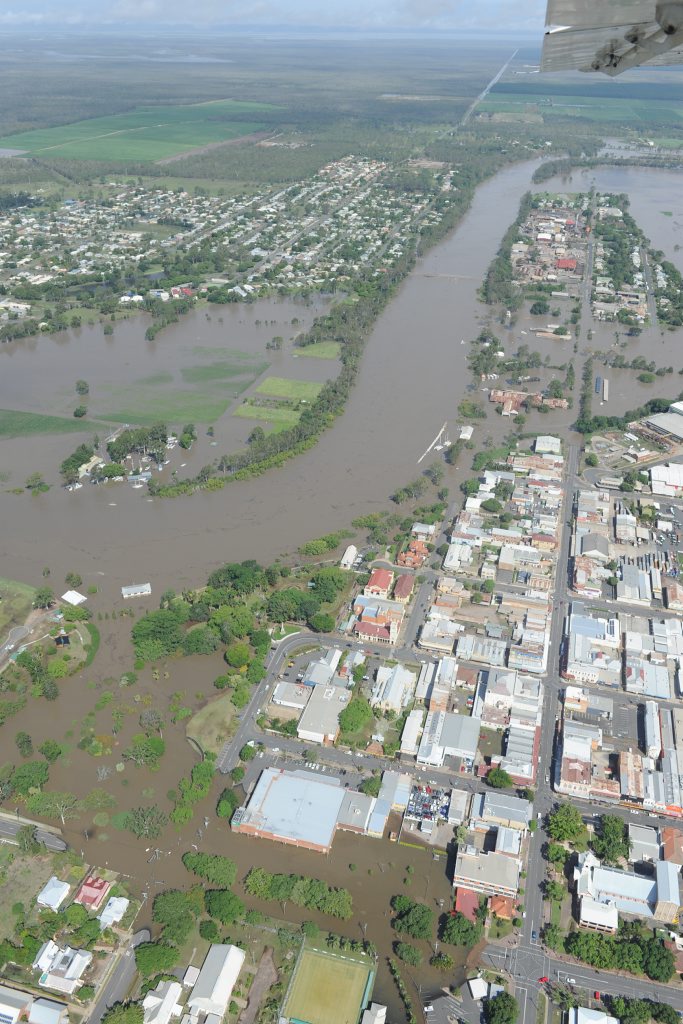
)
(144, 134)
(327, 987)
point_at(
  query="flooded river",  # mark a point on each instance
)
(412, 378)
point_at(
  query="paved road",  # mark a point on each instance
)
(9, 829)
(120, 979)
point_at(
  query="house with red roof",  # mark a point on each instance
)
(404, 588)
(565, 263)
(91, 892)
(379, 583)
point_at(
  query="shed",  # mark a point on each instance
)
(13, 1003)
(47, 1011)
(217, 979)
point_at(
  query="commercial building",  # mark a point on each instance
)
(319, 722)
(297, 808)
(410, 737)
(379, 584)
(439, 635)
(393, 689)
(582, 1015)
(448, 735)
(497, 809)
(493, 874)
(217, 979)
(349, 557)
(654, 896)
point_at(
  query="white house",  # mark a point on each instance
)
(53, 893)
(162, 1003)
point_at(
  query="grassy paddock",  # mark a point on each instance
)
(213, 724)
(22, 424)
(16, 601)
(320, 350)
(283, 387)
(232, 370)
(269, 414)
(327, 987)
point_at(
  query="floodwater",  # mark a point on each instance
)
(411, 381)
(382, 868)
(657, 207)
(413, 376)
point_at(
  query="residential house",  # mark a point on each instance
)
(91, 892)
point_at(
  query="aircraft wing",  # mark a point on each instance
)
(612, 35)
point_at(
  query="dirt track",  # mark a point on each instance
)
(254, 137)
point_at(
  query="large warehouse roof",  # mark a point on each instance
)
(295, 807)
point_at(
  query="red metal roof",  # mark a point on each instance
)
(467, 902)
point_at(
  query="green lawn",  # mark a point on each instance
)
(283, 387)
(321, 350)
(269, 414)
(16, 601)
(145, 134)
(22, 424)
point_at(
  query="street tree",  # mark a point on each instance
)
(502, 1009)
(565, 824)
(155, 958)
(124, 1013)
(498, 778)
